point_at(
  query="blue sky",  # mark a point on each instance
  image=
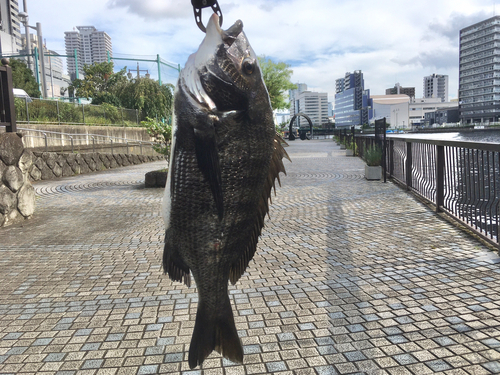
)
(389, 40)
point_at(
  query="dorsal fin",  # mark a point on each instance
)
(276, 166)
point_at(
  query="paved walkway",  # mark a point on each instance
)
(351, 277)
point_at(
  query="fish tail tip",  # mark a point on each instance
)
(216, 333)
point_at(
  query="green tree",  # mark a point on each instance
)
(99, 79)
(148, 96)
(277, 79)
(103, 86)
(22, 78)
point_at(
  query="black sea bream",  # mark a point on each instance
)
(224, 161)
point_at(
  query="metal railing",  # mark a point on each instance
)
(461, 179)
(7, 109)
(61, 112)
(56, 141)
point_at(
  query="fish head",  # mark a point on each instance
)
(224, 73)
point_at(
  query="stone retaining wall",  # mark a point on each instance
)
(49, 165)
(17, 196)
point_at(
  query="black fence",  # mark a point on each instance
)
(7, 108)
(461, 179)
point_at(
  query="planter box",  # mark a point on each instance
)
(349, 152)
(373, 173)
(156, 179)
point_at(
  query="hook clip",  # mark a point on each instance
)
(198, 5)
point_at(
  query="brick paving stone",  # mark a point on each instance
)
(350, 277)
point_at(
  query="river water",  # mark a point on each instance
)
(480, 136)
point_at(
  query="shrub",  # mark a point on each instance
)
(373, 156)
(162, 133)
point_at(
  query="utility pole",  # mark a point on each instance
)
(42, 58)
(27, 32)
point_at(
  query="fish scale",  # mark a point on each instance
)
(224, 160)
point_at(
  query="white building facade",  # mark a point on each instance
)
(403, 112)
(419, 107)
(314, 105)
(436, 86)
(393, 107)
(91, 45)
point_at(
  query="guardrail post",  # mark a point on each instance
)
(111, 139)
(27, 110)
(71, 139)
(46, 142)
(128, 151)
(140, 145)
(391, 158)
(58, 115)
(439, 178)
(93, 144)
(408, 165)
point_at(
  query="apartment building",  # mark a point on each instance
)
(400, 90)
(91, 45)
(10, 27)
(436, 86)
(479, 72)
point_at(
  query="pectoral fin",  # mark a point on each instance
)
(208, 162)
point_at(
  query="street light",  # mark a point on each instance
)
(24, 19)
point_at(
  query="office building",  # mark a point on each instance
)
(293, 94)
(10, 27)
(311, 103)
(91, 45)
(436, 86)
(479, 85)
(353, 106)
(399, 90)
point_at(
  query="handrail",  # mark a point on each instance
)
(460, 179)
(86, 135)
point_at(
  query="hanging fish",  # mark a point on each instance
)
(224, 160)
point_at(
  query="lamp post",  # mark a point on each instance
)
(38, 28)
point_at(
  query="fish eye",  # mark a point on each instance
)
(248, 66)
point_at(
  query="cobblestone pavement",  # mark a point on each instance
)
(351, 277)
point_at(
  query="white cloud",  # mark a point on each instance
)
(390, 41)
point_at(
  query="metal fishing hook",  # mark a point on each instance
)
(198, 5)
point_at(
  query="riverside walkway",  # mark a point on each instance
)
(350, 277)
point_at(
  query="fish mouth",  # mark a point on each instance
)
(229, 35)
(203, 62)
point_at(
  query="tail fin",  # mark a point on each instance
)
(215, 331)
